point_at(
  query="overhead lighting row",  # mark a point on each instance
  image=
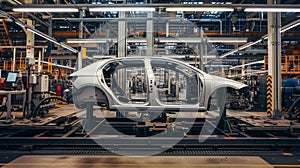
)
(102, 9)
(265, 37)
(164, 40)
(45, 9)
(204, 9)
(150, 9)
(252, 63)
(272, 10)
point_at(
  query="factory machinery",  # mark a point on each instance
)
(95, 130)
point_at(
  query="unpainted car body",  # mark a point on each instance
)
(147, 84)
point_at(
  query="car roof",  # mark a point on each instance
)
(151, 57)
(91, 69)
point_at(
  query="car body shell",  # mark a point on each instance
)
(89, 84)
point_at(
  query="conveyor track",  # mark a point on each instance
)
(66, 136)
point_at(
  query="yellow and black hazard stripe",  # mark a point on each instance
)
(284, 108)
(297, 112)
(269, 96)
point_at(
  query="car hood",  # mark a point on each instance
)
(219, 82)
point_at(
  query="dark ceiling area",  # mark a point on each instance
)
(237, 23)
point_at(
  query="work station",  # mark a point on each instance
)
(11, 86)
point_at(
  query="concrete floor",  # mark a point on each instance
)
(67, 161)
(259, 119)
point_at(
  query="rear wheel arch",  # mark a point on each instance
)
(100, 95)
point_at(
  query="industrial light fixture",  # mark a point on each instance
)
(136, 40)
(90, 41)
(68, 47)
(272, 9)
(289, 27)
(210, 39)
(252, 63)
(164, 40)
(122, 9)
(265, 37)
(20, 24)
(52, 40)
(250, 44)
(207, 9)
(44, 9)
(57, 65)
(241, 48)
(227, 40)
(44, 36)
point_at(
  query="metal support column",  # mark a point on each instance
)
(13, 68)
(122, 36)
(39, 62)
(167, 28)
(29, 55)
(201, 53)
(42, 57)
(109, 43)
(122, 49)
(205, 52)
(149, 34)
(90, 118)
(274, 59)
(29, 41)
(79, 56)
(243, 68)
(50, 32)
(50, 45)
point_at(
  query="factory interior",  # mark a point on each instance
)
(150, 83)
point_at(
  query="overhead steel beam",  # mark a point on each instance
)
(209, 34)
(57, 65)
(165, 40)
(162, 6)
(37, 32)
(39, 20)
(23, 46)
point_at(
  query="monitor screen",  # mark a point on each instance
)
(11, 77)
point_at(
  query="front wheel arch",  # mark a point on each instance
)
(217, 98)
(217, 101)
(89, 92)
